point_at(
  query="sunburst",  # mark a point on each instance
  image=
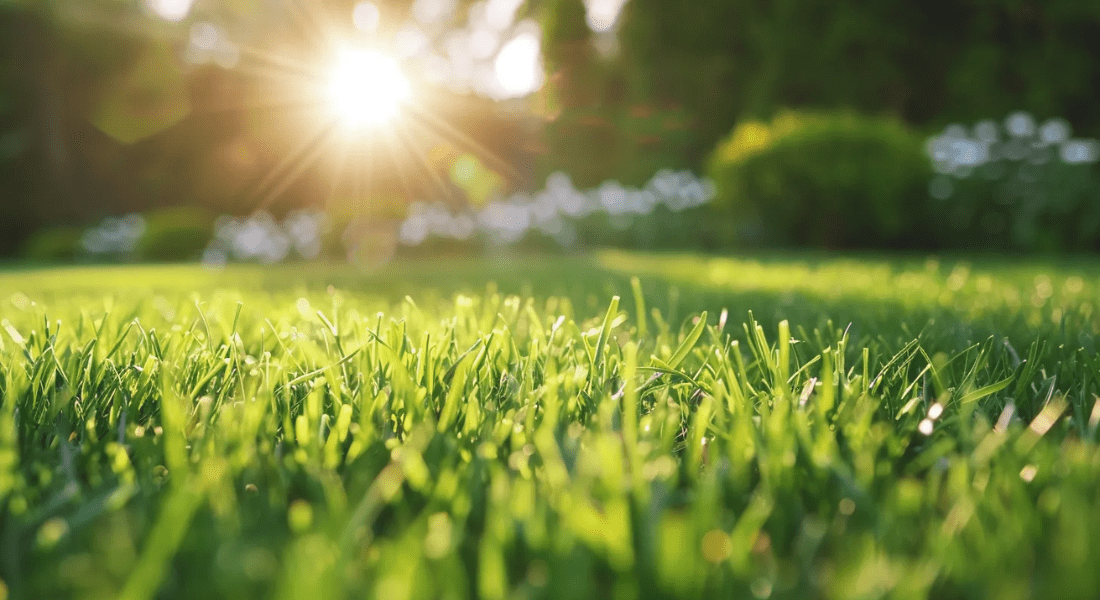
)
(366, 88)
(362, 121)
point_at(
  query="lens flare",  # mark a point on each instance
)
(366, 88)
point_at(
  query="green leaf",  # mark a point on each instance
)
(689, 342)
(980, 393)
(597, 360)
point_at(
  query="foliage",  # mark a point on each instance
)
(1023, 187)
(580, 137)
(932, 63)
(176, 234)
(259, 433)
(691, 228)
(626, 143)
(834, 180)
(651, 139)
(570, 55)
(54, 244)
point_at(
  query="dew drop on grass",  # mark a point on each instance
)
(1028, 473)
(538, 574)
(300, 516)
(762, 588)
(51, 532)
(926, 427)
(716, 546)
(847, 507)
(160, 474)
(437, 542)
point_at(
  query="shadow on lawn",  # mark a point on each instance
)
(950, 306)
(950, 303)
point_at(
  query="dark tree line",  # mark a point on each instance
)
(710, 63)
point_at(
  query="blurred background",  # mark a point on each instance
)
(275, 130)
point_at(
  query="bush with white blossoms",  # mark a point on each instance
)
(959, 151)
(114, 238)
(262, 238)
(1018, 184)
(556, 210)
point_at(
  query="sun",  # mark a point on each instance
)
(366, 88)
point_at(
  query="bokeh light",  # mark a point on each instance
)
(432, 11)
(170, 10)
(366, 17)
(1020, 124)
(602, 14)
(499, 14)
(208, 43)
(410, 40)
(518, 66)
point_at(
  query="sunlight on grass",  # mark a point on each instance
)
(555, 430)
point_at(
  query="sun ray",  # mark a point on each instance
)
(399, 165)
(401, 147)
(291, 167)
(307, 161)
(285, 63)
(254, 104)
(422, 161)
(358, 137)
(313, 21)
(364, 181)
(464, 141)
(339, 165)
(441, 137)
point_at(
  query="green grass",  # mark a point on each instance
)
(904, 428)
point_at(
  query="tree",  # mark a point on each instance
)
(579, 132)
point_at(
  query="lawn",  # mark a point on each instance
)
(605, 426)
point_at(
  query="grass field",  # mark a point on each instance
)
(609, 426)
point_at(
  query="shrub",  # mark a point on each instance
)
(834, 180)
(176, 234)
(662, 228)
(55, 244)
